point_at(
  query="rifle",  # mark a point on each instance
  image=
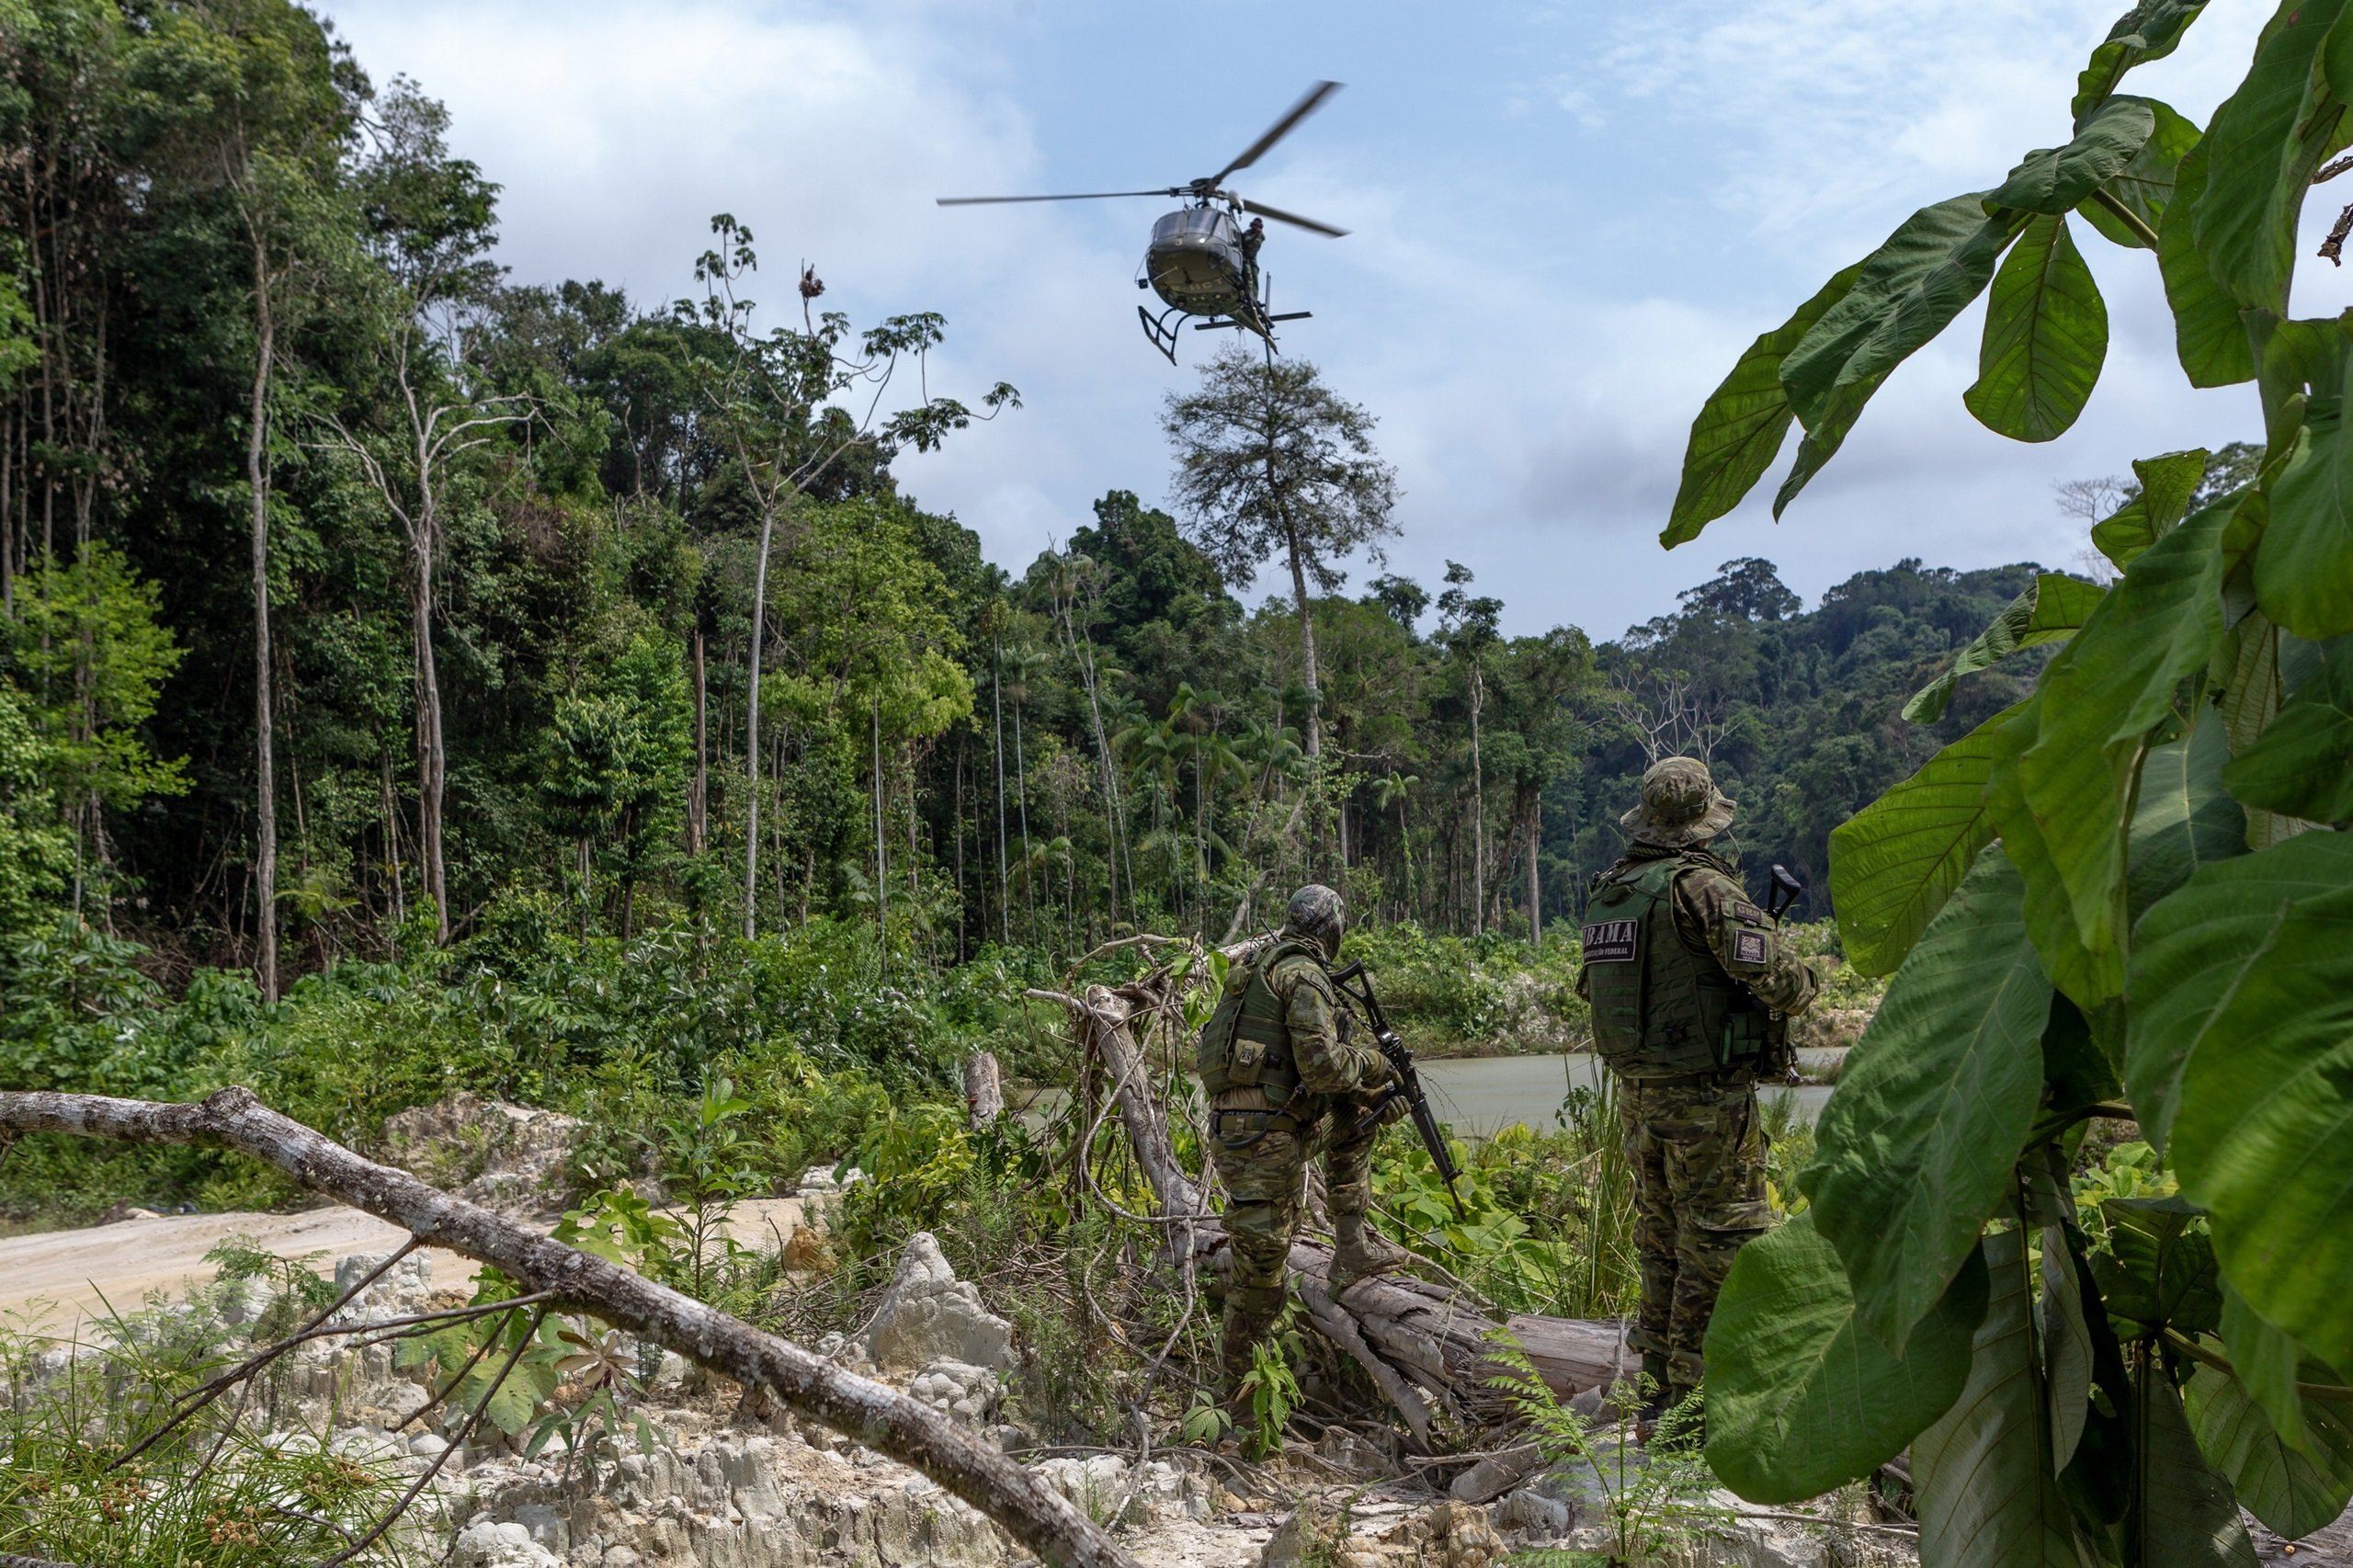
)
(1787, 889)
(1408, 1086)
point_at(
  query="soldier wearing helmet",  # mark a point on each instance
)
(1284, 1081)
(1690, 984)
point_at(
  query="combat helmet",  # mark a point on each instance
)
(1317, 914)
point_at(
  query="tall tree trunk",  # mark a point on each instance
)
(882, 849)
(963, 949)
(698, 791)
(1003, 885)
(1021, 801)
(1535, 887)
(1308, 673)
(1478, 810)
(392, 844)
(265, 764)
(431, 764)
(752, 731)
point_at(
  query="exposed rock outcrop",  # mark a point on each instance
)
(929, 1315)
(507, 1158)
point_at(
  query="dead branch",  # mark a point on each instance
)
(888, 1422)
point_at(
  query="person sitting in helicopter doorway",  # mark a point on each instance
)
(1285, 1081)
(1690, 984)
(1252, 238)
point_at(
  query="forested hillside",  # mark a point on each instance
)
(512, 533)
(352, 584)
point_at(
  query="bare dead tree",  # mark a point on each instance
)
(1666, 716)
(2091, 499)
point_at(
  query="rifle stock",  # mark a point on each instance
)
(1408, 1086)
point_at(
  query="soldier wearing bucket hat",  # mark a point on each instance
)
(1690, 984)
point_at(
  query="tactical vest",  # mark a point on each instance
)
(1659, 1009)
(1246, 1042)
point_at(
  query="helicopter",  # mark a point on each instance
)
(1200, 261)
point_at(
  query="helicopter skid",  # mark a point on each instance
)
(1158, 331)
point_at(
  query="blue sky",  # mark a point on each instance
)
(1567, 220)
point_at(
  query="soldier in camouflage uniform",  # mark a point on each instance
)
(1690, 984)
(1285, 1081)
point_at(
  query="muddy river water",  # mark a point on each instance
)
(1480, 1096)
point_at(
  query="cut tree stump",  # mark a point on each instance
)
(984, 1090)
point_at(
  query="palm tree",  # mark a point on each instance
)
(1394, 790)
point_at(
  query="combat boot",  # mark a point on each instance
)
(1357, 1253)
(1250, 1312)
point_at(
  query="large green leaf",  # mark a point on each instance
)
(2066, 1347)
(2162, 495)
(2261, 149)
(2208, 338)
(2264, 1134)
(2302, 766)
(2090, 979)
(2112, 683)
(2268, 1363)
(2046, 337)
(2144, 188)
(2052, 609)
(1905, 292)
(2056, 180)
(1988, 1495)
(2293, 1491)
(1917, 1146)
(2185, 819)
(2148, 31)
(2158, 1271)
(2193, 948)
(2303, 567)
(1742, 424)
(1801, 1399)
(2248, 675)
(2183, 1513)
(1892, 863)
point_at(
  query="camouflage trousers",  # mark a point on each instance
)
(1698, 1156)
(1265, 1173)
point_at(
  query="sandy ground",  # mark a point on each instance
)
(60, 1277)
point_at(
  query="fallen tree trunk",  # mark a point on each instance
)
(1427, 1349)
(888, 1422)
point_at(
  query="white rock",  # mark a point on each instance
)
(1530, 1510)
(929, 1315)
(509, 1545)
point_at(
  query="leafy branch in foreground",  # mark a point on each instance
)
(2129, 894)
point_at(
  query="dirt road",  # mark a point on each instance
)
(60, 1277)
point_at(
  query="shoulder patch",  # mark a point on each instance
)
(1749, 913)
(1611, 941)
(1751, 947)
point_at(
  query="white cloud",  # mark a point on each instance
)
(1533, 303)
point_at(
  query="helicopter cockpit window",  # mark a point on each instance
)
(1199, 222)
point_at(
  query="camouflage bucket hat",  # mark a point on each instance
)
(1317, 914)
(1680, 805)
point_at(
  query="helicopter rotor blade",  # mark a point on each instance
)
(1306, 106)
(1082, 195)
(1293, 219)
